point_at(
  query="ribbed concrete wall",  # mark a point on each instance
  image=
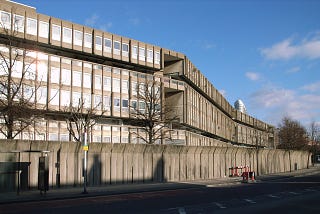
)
(130, 163)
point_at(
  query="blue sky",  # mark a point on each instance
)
(266, 53)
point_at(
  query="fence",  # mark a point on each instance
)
(131, 163)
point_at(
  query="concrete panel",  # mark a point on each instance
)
(106, 163)
(138, 161)
(204, 163)
(94, 164)
(117, 163)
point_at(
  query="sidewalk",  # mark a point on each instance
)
(76, 192)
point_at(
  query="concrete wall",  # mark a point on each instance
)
(131, 163)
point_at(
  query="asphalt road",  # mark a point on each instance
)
(286, 195)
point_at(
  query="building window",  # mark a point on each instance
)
(65, 77)
(67, 35)
(98, 43)
(134, 88)
(87, 100)
(54, 97)
(106, 103)
(56, 32)
(5, 20)
(55, 75)
(150, 56)
(53, 136)
(77, 78)
(116, 103)
(87, 80)
(18, 23)
(115, 139)
(97, 101)
(157, 58)
(116, 71)
(125, 104)
(87, 40)
(107, 45)
(107, 83)
(76, 98)
(116, 85)
(77, 40)
(125, 49)
(124, 88)
(64, 137)
(97, 82)
(43, 29)
(65, 98)
(116, 47)
(142, 54)
(133, 105)
(32, 26)
(42, 72)
(107, 139)
(42, 95)
(134, 53)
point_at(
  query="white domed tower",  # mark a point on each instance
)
(239, 105)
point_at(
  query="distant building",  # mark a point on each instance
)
(239, 105)
(77, 61)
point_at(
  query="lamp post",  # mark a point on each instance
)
(85, 149)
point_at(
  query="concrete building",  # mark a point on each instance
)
(73, 61)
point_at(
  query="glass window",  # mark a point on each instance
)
(87, 80)
(125, 103)
(107, 83)
(66, 77)
(115, 139)
(97, 82)
(65, 98)
(134, 54)
(97, 101)
(106, 102)
(42, 72)
(64, 137)
(28, 93)
(116, 85)
(98, 43)
(5, 20)
(32, 26)
(67, 35)
(42, 95)
(55, 75)
(116, 102)
(77, 37)
(125, 72)
(55, 59)
(124, 88)
(134, 88)
(53, 136)
(77, 78)
(87, 40)
(116, 47)
(157, 58)
(107, 45)
(116, 71)
(125, 49)
(18, 23)
(56, 32)
(43, 29)
(16, 69)
(87, 100)
(133, 104)
(106, 69)
(142, 54)
(30, 71)
(150, 56)
(87, 65)
(54, 97)
(76, 98)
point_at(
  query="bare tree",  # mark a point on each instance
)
(18, 83)
(81, 118)
(151, 115)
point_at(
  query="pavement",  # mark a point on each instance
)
(115, 189)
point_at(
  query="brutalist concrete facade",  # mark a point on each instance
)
(78, 61)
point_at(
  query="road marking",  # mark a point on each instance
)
(250, 201)
(273, 196)
(310, 190)
(220, 205)
(293, 193)
(181, 210)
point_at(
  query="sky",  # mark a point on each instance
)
(266, 53)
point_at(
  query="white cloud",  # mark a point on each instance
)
(294, 70)
(223, 92)
(92, 20)
(275, 103)
(253, 76)
(135, 21)
(285, 50)
(313, 87)
(105, 27)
